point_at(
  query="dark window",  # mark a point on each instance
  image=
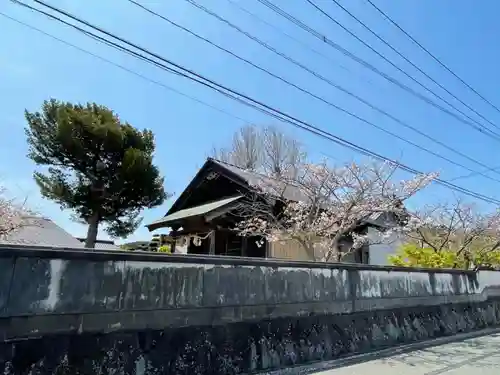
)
(253, 250)
(234, 245)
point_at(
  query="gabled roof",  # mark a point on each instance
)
(209, 165)
(246, 179)
(240, 176)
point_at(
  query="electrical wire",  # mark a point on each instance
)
(481, 128)
(164, 18)
(128, 70)
(296, 40)
(253, 103)
(135, 73)
(326, 14)
(409, 61)
(389, 19)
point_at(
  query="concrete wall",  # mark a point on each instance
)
(220, 315)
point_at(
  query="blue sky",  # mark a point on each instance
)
(34, 67)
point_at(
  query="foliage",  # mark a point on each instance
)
(11, 216)
(327, 206)
(165, 249)
(412, 255)
(452, 235)
(97, 165)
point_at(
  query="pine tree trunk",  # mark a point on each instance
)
(92, 231)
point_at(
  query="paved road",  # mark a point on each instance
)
(477, 356)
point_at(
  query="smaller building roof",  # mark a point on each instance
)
(41, 231)
(192, 212)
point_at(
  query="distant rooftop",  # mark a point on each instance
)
(41, 231)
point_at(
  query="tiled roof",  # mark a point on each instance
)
(41, 231)
(290, 192)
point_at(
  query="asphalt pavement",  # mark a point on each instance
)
(473, 356)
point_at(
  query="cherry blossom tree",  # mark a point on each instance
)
(321, 207)
(453, 234)
(11, 215)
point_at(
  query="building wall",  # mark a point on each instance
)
(379, 252)
(290, 249)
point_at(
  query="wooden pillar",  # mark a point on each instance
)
(244, 245)
(212, 243)
(173, 234)
(268, 248)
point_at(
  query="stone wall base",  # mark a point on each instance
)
(242, 347)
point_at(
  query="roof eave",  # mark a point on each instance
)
(228, 204)
(169, 223)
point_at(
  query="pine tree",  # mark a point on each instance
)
(96, 165)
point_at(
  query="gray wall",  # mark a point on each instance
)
(78, 291)
(70, 311)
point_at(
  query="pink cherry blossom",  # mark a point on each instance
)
(323, 206)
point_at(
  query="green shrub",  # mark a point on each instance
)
(165, 249)
(412, 255)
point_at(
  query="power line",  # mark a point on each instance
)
(397, 67)
(139, 75)
(124, 68)
(296, 40)
(250, 101)
(331, 83)
(431, 55)
(253, 103)
(145, 78)
(476, 125)
(409, 61)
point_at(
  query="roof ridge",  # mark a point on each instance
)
(228, 163)
(243, 169)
